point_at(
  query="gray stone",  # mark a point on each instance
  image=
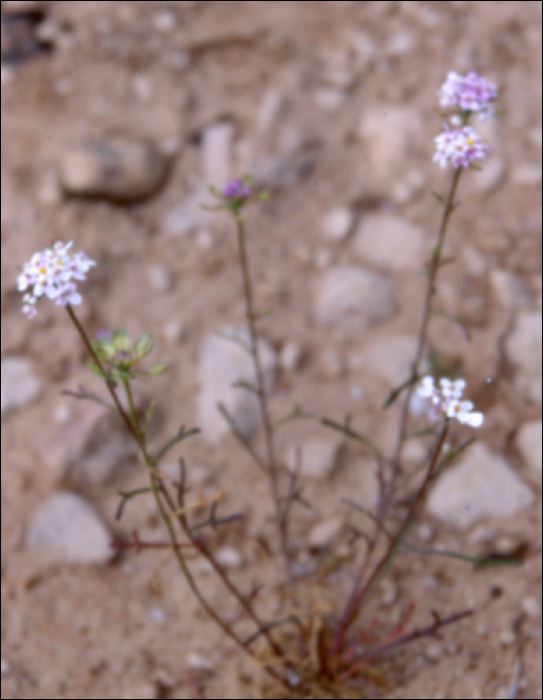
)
(117, 167)
(529, 443)
(481, 484)
(390, 242)
(354, 297)
(20, 386)
(316, 458)
(224, 361)
(67, 530)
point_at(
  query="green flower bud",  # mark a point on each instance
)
(159, 368)
(144, 346)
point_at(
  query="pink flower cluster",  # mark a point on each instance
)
(50, 273)
(472, 93)
(445, 400)
(459, 147)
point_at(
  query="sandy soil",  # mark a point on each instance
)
(167, 71)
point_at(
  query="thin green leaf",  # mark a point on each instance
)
(181, 435)
(296, 414)
(395, 393)
(149, 414)
(476, 561)
(349, 432)
(127, 496)
(242, 384)
(159, 368)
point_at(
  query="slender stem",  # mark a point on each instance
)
(273, 469)
(158, 489)
(354, 603)
(109, 383)
(434, 267)
(199, 544)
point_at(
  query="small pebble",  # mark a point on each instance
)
(157, 614)
(165, 21)
(290, 356)
(531, 605)
(433, 652)
(389, 592)
(230, 558)
(200, 662)
(174, 332)
(160, 279)
(508, 637)
(338, 224)
(329, 99)
(425, 532)
(323, 533)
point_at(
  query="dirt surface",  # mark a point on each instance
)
(296, 80)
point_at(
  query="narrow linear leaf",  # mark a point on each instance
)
(127, 496)
(242, 384)
(181, 435)
(296, 414)
(395, 393)
(476, 561)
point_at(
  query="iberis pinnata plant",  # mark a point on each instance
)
(51, 273)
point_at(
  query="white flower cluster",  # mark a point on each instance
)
(445, 400)
(50, 273)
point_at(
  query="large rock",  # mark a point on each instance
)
(225, 360)
(66, 529)
(20, 386)
(390, 242)
(354, 296)
(481, 485)
(116, 167)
